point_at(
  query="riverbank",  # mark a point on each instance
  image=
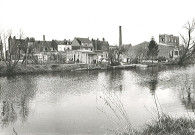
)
(47, 68)
(165, 125)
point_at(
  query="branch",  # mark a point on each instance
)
(183, 38)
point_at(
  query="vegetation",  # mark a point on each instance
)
(189, 42)
(161, 58)
(114, 55)
(162, 124)
(152, 49)
(10, 63)
(167, 125)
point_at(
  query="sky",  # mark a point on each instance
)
(66, 19)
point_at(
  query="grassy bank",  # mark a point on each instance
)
(161, 124)
(45, 68)
(168, 125)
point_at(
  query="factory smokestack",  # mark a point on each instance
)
(120, 36)
(43, 37)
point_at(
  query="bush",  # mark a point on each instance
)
(168, 125)
(115, 64)
(135, 61)
(161, 58)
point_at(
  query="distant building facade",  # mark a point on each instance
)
(101, 48)
(1, 49)
(43, 46)
(169, 39)
(82, 44)
(85, 56)
(62, 46)
(168, 46)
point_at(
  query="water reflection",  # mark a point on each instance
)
(68, 100)
(187, 94)
(15, 99)
(153, 81)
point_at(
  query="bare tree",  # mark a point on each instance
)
(119, 51)
(1, 45)
(21, 36)
(115, 53)
(141, 53)
(189, 42)
(111, 55)
(10, 63)
(27, 48)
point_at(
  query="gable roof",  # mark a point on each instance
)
(59, 42)
(41, 45)
(83, 40)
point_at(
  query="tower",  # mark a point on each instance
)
(120, 36)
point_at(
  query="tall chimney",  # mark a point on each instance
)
(120, 36)
(43, 37)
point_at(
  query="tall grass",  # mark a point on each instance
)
(117, 114)
(170, 126)
(162, 123)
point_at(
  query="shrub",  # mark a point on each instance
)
(135, 61)
(161, 58)
(115, 64)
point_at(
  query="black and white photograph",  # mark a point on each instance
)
(97, 67)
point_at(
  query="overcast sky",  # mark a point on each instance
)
(66, 19)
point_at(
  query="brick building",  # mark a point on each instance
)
(169, 39)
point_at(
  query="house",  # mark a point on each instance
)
(1, 49)
(17, 47)
(85, 56)
(82, 44)
(169, 39)
(140, 51)
(168, 46)
(62, 45)
(173, 41)
(101, 48)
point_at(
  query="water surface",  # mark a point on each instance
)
(70, 103)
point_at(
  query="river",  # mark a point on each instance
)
(78, 102)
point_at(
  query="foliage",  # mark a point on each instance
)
(135, 61)
(161, 58)
(168, 125)
(115, 64)
(152, 49)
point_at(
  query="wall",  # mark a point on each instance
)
(75, 45)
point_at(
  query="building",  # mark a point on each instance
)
(43, 46)
(82, 44)
(169, 39)
(62, 45)
(85, 56)
(1, 49)
(139, 51)
(101, 48)
(16, 47)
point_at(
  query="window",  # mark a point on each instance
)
(180, 52)
(176, 52)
